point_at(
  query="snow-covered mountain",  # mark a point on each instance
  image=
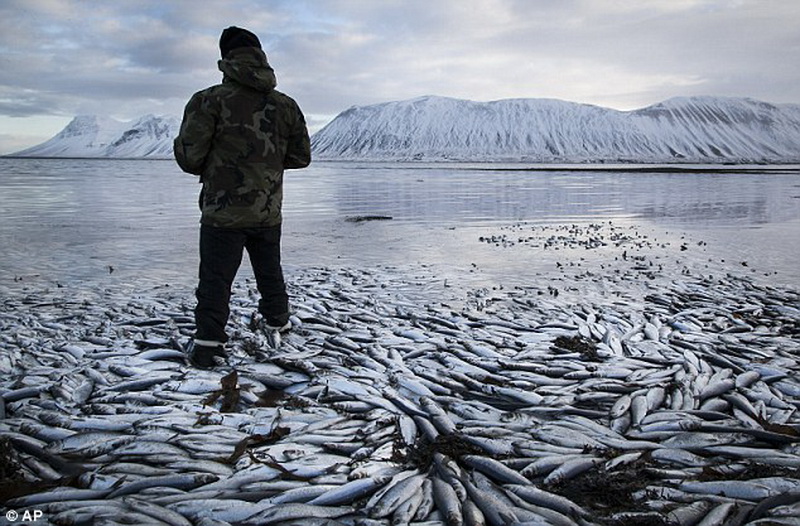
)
(696, 129)
(93, 136)
(690, 130)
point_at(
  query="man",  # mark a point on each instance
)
(239, 136)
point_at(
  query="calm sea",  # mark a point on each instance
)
(69, 221)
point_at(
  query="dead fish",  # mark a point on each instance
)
(286, 512)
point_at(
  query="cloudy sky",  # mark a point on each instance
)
(127, 58)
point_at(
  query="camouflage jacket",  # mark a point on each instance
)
(239, 136)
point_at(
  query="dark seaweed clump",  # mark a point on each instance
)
(613, 492)
(420, 454)
(587, 349)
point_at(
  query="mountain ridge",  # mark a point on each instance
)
(94, 136)
(682, 130)
(550, 131)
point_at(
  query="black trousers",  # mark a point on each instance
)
(220, 257)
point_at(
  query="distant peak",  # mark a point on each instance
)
(80, 125)
(83, 120)
(100, 136)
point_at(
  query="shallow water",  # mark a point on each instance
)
(102, 221)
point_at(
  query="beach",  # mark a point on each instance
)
(595, 372)
(622, 394)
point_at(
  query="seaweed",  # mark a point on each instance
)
(420, 454)
(587, 349)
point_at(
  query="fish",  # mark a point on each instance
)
(347, 493)
(447, 502)
(494, 469)
(378, 408)
(286, 512)
(396, 495)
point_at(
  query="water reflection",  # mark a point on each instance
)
(75, 219)
(455, 196)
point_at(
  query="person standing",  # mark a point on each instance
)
(239, 136)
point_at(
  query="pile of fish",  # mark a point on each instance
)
(674, 404)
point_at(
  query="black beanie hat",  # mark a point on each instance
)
(236, 37)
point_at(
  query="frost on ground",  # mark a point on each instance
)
(632, 395)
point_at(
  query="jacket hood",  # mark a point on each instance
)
(248, 66)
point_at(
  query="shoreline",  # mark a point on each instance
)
(665, 386)
(513, 254)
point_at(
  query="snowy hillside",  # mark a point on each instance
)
(699, 129)
(93, 136)
(696, 130)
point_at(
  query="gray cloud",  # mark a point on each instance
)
(130, 57)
